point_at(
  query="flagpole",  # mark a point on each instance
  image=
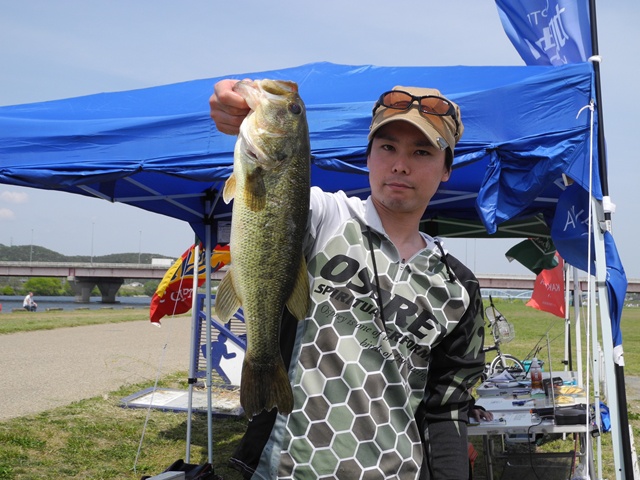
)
(602, 163)
(595, 61)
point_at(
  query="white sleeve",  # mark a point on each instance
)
(327, 211)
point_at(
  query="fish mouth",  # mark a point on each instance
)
(279, 87)
(253, 90)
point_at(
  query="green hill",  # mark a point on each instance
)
(35, 253)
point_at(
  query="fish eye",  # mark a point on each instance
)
(295, 108)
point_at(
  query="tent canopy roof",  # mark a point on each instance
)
(157, 148)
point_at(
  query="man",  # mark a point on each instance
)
(393, 339)
(29, 303)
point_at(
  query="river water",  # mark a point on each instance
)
(9, 302)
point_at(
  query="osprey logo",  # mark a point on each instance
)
(355, 278)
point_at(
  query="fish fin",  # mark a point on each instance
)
(265, 386)
(255, 190)
(298, 302)
(227, 301)
(229, 189)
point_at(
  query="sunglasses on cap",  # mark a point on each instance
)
(427, 104)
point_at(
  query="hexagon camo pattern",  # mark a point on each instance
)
(358, 384)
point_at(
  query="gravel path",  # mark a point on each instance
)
(45, 369)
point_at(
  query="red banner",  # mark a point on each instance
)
(548, 291)
(174, 295)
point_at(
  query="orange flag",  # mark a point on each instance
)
(175, 292)
(548, 291)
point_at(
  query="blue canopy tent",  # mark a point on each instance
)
(158, 150)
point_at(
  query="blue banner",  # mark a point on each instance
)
(570, 233)
(548, 32)
(616, 286)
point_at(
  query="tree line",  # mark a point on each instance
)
(59, 287)
(35, 253)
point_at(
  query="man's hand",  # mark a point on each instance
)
(228, 109)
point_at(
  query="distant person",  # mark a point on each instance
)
(29, 304)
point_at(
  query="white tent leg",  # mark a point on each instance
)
(577, 303)
(596, 362)
(208, 340)
(567, 321)
(194, 349)
(607, 345)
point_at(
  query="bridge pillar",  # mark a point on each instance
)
(109, 288)
(82, 288)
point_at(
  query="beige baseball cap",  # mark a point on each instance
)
(437, 117)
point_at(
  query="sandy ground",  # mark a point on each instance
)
(45, 369)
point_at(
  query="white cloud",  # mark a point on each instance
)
(6, 214)
(14, 197)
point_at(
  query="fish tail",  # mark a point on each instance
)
(265, 386)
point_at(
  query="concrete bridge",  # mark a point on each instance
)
(526, 282)
(110, 276)
(82, 277)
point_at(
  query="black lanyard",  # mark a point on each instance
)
(375, 274)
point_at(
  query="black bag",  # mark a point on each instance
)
(192, 472)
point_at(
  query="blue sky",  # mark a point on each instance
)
(68, 48)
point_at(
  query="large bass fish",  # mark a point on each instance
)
(270, 187)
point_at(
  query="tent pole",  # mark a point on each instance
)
(208, 341)
(194, 347)
(577, 303)
(615, 411)
(596, 367)
(568, 363)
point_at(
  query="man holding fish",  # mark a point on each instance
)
(382, 358)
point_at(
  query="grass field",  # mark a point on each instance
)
(98, 439)
(23, 321)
